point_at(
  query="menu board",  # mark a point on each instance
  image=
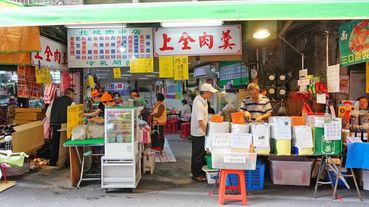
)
(234, 72)
(118, 126)
(27, 86)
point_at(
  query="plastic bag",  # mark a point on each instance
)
(79, 132)
(13, 159)
(95, 131)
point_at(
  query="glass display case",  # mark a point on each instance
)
(121, 127)
(121, 163)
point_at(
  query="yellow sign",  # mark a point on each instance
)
(141, 65)
(47, 76)
(117, 73)
(74, 118)
(180, 64)
(43, 75)
(90, 81)
(38, 75)
(166, 67)
(367, 77)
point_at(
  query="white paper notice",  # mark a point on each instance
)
(333, 78)
(303, 73)
(241, 140)
(303, 82)
(321, 98)
(332, 130)
(303, 136)
(221, 140)
(261, 135)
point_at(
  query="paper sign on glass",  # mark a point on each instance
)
(241, 140)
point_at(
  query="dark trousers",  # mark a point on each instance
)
(198, 156)
(54, 152)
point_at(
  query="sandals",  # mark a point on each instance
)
(199, 178)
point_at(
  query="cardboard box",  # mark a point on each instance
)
(28, 110)
(28, 137)
(21, 122)
(29, 116)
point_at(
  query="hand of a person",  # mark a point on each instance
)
(259, 119)
(247, 114)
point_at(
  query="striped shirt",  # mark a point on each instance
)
(256, 109)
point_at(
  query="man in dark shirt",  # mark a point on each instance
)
(57, 118)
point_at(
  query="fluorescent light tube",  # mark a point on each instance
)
(192, 23)
(95, 26)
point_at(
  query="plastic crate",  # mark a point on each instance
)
(222, 159)
(286, 172)
(208, 161)
(254, 178)
(332, 177)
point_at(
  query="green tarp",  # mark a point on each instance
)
(174, 11)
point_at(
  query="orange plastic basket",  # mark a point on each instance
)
(216, 118)
(238, 118)
(298, 120)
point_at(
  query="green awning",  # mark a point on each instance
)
(6, 3)
(176, 11)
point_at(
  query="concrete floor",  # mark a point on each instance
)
(171, 185)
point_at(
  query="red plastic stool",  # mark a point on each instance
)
(241, 187)
(172, 125)
(185, 130)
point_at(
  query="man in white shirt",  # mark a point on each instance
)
(199, 120)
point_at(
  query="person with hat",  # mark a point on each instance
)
(138, 101)
(96, 97)
(199, 121)
(106, 101)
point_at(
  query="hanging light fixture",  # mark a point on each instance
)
(261, 34)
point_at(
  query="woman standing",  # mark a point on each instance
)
(159, 117)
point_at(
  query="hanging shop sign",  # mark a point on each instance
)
(234, 72)
(27, 86)
(117, 73)
(108, 47)
(52, 55)
(180, 67)
(43, 75)
(74, 118)
(354, 42)
(141, 65)
(166, 67)
(198, 41)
